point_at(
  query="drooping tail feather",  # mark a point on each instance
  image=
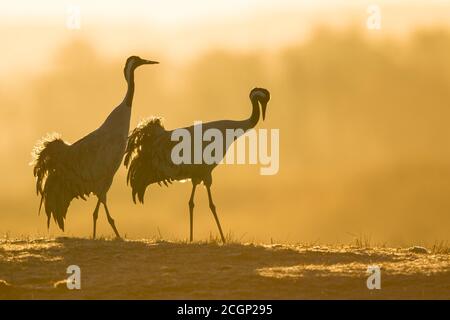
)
(146, 156)
(53, 178)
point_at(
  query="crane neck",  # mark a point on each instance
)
(129, 77)
(254, 117)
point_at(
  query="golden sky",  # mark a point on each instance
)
(179, 29)
(363, 123)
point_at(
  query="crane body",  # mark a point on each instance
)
(149, 155)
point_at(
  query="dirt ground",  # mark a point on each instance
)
(144, 269)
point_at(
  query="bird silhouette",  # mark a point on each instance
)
(148, 155)
(66, 171)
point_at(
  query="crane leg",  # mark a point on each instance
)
(95, 216)
(111, 220)
(191, 210)
(213, 210)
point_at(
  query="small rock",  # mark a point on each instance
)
(4, 285)
(62, 284)
(418, 249)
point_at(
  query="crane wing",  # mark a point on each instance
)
(148, 157)
(58, 181)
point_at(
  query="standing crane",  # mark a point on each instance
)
(66, 171)
(148, 155)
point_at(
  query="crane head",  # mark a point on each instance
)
(262, 96)
(133, 62)
(137, 61)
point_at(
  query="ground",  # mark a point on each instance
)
(145, 269)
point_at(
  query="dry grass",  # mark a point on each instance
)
(151, 269)
(441, 247)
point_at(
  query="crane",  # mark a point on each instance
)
(148, 155)
(66, 171)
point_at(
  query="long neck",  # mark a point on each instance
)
(254, 117)
(128, 100)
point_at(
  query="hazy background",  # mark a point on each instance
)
(363, 114)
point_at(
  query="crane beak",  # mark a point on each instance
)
(149, 62)
(263, 107)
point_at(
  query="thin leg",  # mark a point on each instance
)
(111, 220)
(95, 216)
(213, 210)
(191, 210)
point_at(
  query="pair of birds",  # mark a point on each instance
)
(66, 171)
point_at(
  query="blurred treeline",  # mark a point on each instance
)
(364, 138)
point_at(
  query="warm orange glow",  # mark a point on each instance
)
(363, 118)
